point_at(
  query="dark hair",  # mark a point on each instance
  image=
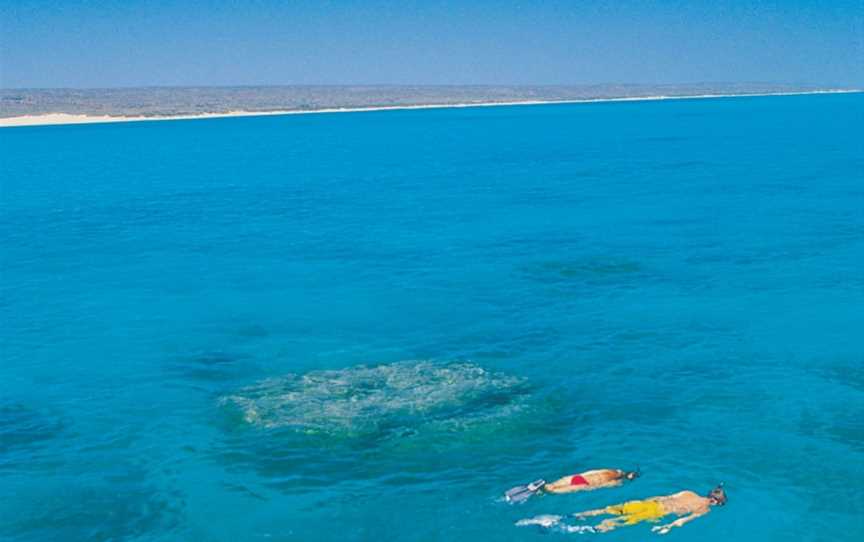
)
(632, 475)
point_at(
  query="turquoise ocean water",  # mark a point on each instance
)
(367, 326)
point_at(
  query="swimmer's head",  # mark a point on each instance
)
(717, 496)
(632, 475)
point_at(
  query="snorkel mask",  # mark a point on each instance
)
(633, 474)
(717, 496)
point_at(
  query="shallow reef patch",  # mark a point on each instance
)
(395, 398)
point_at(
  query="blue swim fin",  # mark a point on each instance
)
(522, 493)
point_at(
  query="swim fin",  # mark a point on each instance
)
(522, 493)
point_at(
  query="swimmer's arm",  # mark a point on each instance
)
(610, 483)
(663, 529)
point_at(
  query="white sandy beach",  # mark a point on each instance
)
(67, 118)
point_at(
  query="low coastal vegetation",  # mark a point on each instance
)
(171, 101)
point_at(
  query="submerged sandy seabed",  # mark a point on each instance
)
(67, 118)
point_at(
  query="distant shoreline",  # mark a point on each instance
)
(53, 119)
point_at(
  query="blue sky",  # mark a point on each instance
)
(109, 43)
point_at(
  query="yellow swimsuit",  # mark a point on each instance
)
(633, 512)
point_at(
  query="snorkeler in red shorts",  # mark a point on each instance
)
(586, 481)
(590, 480)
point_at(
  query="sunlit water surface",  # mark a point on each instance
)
(368, 326)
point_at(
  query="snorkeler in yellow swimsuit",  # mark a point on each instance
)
(687, 505)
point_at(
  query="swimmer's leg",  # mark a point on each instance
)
(595, 512)
(565, 485)
(558, 486)
(610, 524)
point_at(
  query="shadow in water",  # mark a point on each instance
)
(120, 508)
(210, 367)
(23, 429)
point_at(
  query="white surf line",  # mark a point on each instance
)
(53, 119)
